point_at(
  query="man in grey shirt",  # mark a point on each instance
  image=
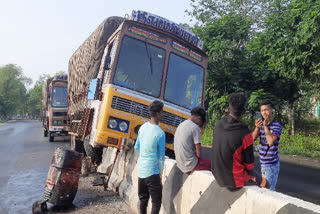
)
(187, 143)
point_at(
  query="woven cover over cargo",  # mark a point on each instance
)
(85, 63)
(45, 91)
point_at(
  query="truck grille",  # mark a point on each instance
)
(142, 110)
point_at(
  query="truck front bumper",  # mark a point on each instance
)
(58, 130)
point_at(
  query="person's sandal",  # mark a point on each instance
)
(264, 183)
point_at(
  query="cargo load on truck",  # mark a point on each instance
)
(84, 65)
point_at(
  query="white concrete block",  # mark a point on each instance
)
(254, 200)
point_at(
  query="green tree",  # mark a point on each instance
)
(225, 40)
(34, 102)
(59, 73)
(230, 64)
(255, 10)
(291, 47)
(12, 90)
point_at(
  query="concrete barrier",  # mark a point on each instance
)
(197, 192)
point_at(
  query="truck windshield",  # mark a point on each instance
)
(184, 82)
(60, 97)
(140, 66)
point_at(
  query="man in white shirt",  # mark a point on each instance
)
(187, 143)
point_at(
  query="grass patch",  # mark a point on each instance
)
(299, 144)
(206, 138)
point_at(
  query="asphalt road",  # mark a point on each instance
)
(25, 157)
(298, 177)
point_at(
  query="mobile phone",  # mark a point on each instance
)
(258, 115)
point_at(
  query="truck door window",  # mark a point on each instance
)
(184, 82)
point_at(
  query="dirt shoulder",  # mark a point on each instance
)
(94, 200)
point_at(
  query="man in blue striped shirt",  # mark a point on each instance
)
(270, 133)
(151, 145)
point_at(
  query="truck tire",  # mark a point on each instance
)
(76, 145)
(94, 153)
(169, 153)
(45, 133)
(51, 137)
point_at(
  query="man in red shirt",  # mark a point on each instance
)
(232, 148)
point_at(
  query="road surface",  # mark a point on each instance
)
(25, 157)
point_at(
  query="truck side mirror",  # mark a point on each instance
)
(107, 63)
(92, 89)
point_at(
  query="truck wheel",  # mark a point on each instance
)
(45, 133)
(169, 153)
(51, 137)
(76, 145)
(39, 207)
(94, 153)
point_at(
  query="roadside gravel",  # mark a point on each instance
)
(94, 200)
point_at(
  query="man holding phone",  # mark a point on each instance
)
(269, 132)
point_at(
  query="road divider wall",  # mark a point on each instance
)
(197, 192)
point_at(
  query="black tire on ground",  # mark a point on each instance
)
(45, 133)
(94, 153)
(76, 145)
(39, 207)
(51, 137)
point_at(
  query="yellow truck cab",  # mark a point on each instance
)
(146, 58)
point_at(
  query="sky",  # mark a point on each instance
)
(41, 35)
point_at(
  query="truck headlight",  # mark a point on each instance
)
(123, 126)
(113, 123)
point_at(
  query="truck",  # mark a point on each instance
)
(55, 107)
(123, 66)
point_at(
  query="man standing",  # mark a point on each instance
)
(187, 143)
(270, 132)
(151, 145)
(232, 148)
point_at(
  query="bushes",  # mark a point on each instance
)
(299, 144)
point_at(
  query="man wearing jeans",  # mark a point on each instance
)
(270, 132)
(187, 143)
(151, 145)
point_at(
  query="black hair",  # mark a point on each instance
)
(155, 107)
(266, 103)
(237, 104)
(198, 111)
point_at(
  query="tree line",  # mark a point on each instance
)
(15, 99)
(263, 48)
